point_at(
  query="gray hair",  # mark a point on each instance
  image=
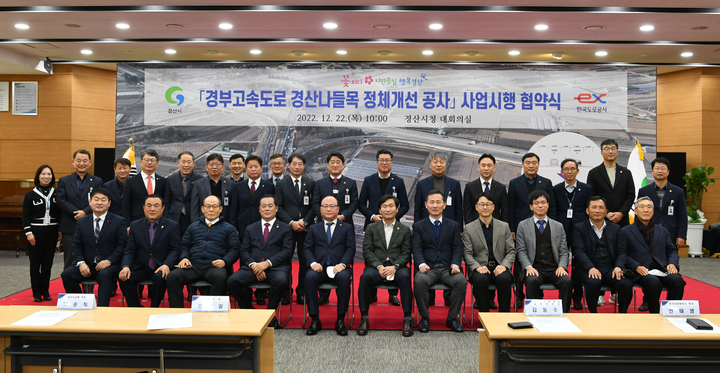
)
(438, 154)
(644, 198)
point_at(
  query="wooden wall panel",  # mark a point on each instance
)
(50, 123)
(91, 87)
(679, 128)
(679, 96)
(20, 158)
(93, 125)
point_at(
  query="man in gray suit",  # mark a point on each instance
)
(542, 251)
(489, 266)
(178, 192)
(212, 184)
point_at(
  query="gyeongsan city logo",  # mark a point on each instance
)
(179, 99)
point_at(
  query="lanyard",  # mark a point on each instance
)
(570, 201)
(47, 199)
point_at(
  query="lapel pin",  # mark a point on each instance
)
(162, 227)
(344, 183)
(277, 226)
(620, 171)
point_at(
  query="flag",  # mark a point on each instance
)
(636, 165)
(130, 155)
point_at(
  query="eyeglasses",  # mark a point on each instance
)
(277, 164)
(539, 203)
(215, 165)
(570, 169)
(483, 205)
(149, 160)
(384, 160)
(660, 169)
(610, 148)
(328, 206)
(211, 207)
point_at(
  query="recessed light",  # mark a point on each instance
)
(427, 52)
(381, 27)
(541, 27)
(471, 53)
(86, 51)
(601, 53)
(686, 54)
(341, 51)
(330, 25)
(21, 26)
(699, 28)
(72, 25)
(435, 26)
(255, 51)
(170, 51)
(123, 26)
(384, 53)
(514, 53)
(225, 26)
(213, 52)
(647, 28)
(557, 55)
(174, 25)
(594, 28)
(298, 53)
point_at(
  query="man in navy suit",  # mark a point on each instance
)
(653, 256)
(152, 250)
(73, 194)
(245, 199)
(142, 185)
(264, 256)
(329, 246)
(178, 191)
(438, 252)
(98, 246)
(211, 185)
(121, 167)
(449, 187)
(343, 188)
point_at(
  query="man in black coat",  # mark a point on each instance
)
(121, 167)
(142, 185)
(178, 191)
(614, 183)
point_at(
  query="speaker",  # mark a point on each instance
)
(678, 163)
(103, 160)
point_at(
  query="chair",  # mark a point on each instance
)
(637, 286)
(88, 286)
(266, 286)
(603, 289)
(329, 286)
(147, 283)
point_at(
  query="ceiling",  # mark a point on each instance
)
(473, 31)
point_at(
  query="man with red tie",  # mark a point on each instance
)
(140, 186)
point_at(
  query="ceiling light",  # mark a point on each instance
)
(541, 27)
(174, 25)
(471, 53)
(647, 28)
(330, 25)
(298, 53)
(594, 28)
(86, 51)
(170, 51)
(72, 25)
(686, 54)
(435, 26)
(699, 28)
(341, 51)
(384, 53)
(255, 51)
(225, 26)
(557, 55)
(514, 53)
(601, 53)
(21, 26)
(122, 26)
(213, 52)
(427, 52)
(381, 27)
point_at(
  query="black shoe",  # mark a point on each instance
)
(261, 301)
(454, 325)
(340, 327)
(476, 305)
(315, 327)
(407, 327)
(323, 300)
(492, 305)
(37, 299)
(394, 300)
(643, 307)
(577, 306)
(300, 299)
(364, 326)
(47, 297)
(424, 326)
(285, 301)
(274, 323)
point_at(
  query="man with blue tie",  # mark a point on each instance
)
(438, 252)
(329, 248)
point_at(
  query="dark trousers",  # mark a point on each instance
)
(519, 273)
(129, 288)
(371, 278)
(456, 281)
(67, 243)
(299, 242)
(652, 287)
(217, 277)
(503, 282)
(106, 279)
(41, 258)
(342, 280)
(184, 223)
(239, 281)
(577, 285)
(563, 283)
(592, 289)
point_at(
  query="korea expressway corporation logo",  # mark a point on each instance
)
(179, 99)
(587, 98)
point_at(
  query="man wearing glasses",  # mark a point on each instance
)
(277, 166)
(211, 185)
(614, 183)
(140, 186)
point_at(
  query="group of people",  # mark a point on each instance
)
(177, 230)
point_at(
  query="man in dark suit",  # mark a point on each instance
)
(73, 194)
(438, 251)
(211, 185)
(343, 188)
(600, 256)
(572, 197)
(449, 187)
(614, 183)
(121, 167)
(152, 250)
(237, 167)
(486, 184)
(277, 167)
(245, 199)
(387, 251)
(178, 191)
(293, 195)
(329, 246)
(142, 185)
(377, 185)
(98, 246)
(264, 256)
(653, 256)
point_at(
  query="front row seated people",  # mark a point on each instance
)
(209, 245)
(98, 247)
(265, 256)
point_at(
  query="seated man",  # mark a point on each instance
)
(485, 265)
(264, 256)
(209, 245)
(386, 249)
(153, 248)
(329, 243)
(653, 256)
(438, 251)
(542, 251)
(600, 256)
(98, 247)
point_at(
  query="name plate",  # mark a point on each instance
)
(543, 307)
(76, 301)
(210, 303)
(680, 308)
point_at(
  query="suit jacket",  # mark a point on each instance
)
(676, 223)
(134, 194)
(165, 248)
(621, 197)
(518, 199)
(291, 203)
(375, 249)
(341, 247)
(345, 186)
(201, 190)
(70, 199)
(244, 207)
(498, 196)
(583, 192)
(452, 190)
(370, 194)
(476, 248)
(525, 243)
(426, 249)
(585, 240)
(639, 254)
(110, 244)
(115, 196)
(277, 248)
(174, 199)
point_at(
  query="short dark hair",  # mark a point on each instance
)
(100, 190)
(435, 191)
(162, 201)
(39, 171)
(150, 152)
(486, 155)
(277, 155)
(662, 160)
(214, 157)
(186, 152)
(383, 151)
(82, 151)
(596, 198)
(298, 156)
(530, 155)
(268, 196)
(253, 157)
(608, 142)
(335, 154)
(386, 197)
(566, 160)
(122, 161)
(537, 194)
(486, 195)
(236, 156)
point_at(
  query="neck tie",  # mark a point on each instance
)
(184, 186)
(97, 228)
(297, 186)
(487, 187)
(149, 186)
(329, 237)
(266, 232)
(541, 227)
(335, 180)
(276, 181)
(252, 186)
(151, 231)
(436, 230)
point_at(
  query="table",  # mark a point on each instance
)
(608, 343)
(117, 337)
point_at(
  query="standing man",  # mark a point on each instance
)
(237, 167)
(121, 167)
(293, 195)
(211, 185)
(73, 196)
(178, 192)
(449, 187)
(486, 184)
(329, 247)
(614, 183)
(98, 246)
(152, 250)
(142, 185)
(343, 188)
(277, 167)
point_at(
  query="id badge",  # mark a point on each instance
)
(306, 201)
(226, 201)
(671, 209)
(394, 193)
(335, 191)
(347, 199)
(46, 219)
(569, 213)
(449, 201)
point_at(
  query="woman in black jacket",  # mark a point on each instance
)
(40, 219)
